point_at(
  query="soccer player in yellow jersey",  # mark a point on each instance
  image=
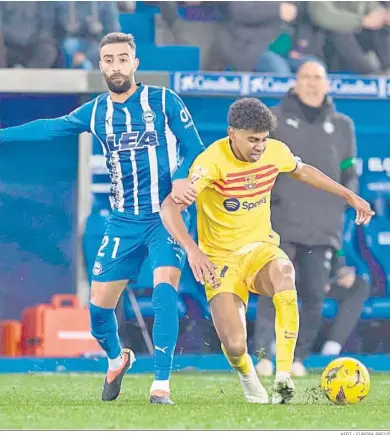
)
(238, 250)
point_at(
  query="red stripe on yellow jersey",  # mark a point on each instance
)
(234, 196)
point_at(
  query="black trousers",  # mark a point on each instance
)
(351, 49)
(313, 267)
(351, 301)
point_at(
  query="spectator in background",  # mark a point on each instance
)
(350, 291)
(314, 131)
(82, 24)
(307, 41)
(354, 29)
(260, 36)
(241, 44)
(28, 32)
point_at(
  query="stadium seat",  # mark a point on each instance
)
(376, 308)
(377, 239)
(329, 309)
(168, 58)
(140, 25)
(143, 8)
(351, 248)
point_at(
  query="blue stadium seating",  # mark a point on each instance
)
(168, 58)
(140, 25)
(377, 240)
(152, 57)
(143, 8)
(376, 308)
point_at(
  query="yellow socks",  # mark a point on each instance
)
(242, 364)
(286, 328)
(254, 392)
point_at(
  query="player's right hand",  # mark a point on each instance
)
(363, 209)
(202, 268)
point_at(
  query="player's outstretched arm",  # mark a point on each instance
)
(200, 265)
(315, 178)
(48, 129)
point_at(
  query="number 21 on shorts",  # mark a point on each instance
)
(104, 244)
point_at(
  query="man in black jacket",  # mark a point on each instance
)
(309, 221)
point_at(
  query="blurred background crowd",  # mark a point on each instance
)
(274, 37)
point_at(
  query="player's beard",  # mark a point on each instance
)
(118, 87)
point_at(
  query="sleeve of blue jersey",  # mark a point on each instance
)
(40, 130)
(182, 126)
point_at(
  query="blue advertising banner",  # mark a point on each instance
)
(229, 84)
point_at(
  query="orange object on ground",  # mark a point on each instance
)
(59, 329)
(10, 338)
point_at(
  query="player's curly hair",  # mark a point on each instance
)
(251, 114)
(118, 37)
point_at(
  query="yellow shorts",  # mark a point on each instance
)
(237, 272)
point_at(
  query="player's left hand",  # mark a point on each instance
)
(183, 192)
(363, 209)
(346, 276)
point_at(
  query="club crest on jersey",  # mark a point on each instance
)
(148, 117)
(250, 182)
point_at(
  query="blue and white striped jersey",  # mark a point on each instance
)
(148, 141)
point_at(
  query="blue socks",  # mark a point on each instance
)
(105, 329)
(165, 329)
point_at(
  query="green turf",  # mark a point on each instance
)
(203, 401)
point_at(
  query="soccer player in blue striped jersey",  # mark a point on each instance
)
(150, 142)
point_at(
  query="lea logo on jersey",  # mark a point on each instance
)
(132, 140)
(250, 182)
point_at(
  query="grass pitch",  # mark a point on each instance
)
(203, 401)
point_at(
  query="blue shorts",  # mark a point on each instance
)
(127, 242)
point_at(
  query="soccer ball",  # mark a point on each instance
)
(345, 381)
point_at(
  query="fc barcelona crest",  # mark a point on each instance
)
(250, 182)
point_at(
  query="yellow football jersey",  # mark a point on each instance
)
(234, 212)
